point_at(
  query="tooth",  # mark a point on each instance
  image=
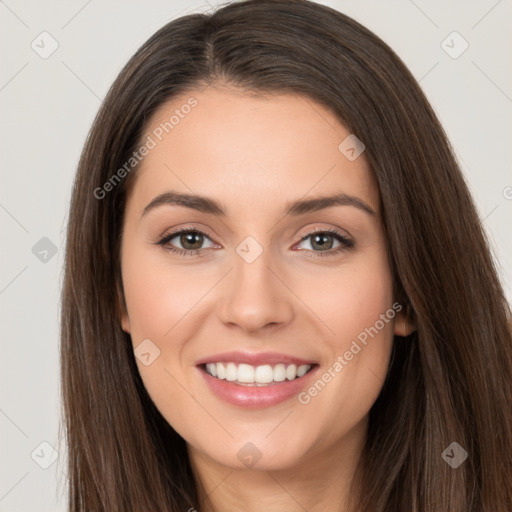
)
(221, 371)
(245, 373)
(264, 374)
(303, 369)
(231, 372)
(291, 372)
(279, 373)
(212, 369)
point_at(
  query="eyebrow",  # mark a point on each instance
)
(300, 207)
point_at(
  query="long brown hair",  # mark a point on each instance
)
(448, 382)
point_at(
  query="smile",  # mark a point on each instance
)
(256, 381)
(262, 375)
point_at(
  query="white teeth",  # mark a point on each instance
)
(221, 371)
(291, 372)
(245, 373)
(264, 374)
(279, 372)
(231, 372)
(259, 375)
(212, 369)
(302, 370)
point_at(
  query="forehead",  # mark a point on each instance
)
(257, 150)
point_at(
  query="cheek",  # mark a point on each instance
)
(349, 299)
(158, 295)
(356, 307)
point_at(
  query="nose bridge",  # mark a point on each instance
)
(256, 297)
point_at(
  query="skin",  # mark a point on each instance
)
(254, 155)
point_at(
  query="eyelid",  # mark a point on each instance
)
(335, 231)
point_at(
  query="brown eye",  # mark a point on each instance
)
(191, 241)
(324, 242)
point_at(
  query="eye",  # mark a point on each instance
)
(320, 242)
(191, 241)
(323, 241)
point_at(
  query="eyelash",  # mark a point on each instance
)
(345, 243)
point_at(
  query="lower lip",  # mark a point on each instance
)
(257, 396)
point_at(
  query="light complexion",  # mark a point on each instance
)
(306, 296)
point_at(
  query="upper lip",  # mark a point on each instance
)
(254, 359)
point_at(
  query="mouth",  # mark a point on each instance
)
(262, 375)
(256, 380)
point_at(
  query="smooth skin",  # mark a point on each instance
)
(254, 156)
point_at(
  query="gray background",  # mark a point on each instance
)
(47, 106)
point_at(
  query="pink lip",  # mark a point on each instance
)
(271, 358)
(257, 396)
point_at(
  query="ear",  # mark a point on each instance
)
(404, 323)
(122, 311)
(125, 323)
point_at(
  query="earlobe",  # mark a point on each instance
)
(122, 311)
(404, 325)
(125, 323)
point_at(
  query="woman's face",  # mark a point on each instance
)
(275, 282)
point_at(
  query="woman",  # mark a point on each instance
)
(277, 293)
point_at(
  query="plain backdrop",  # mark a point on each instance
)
(47, 106)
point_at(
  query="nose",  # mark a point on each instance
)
(256, 296)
